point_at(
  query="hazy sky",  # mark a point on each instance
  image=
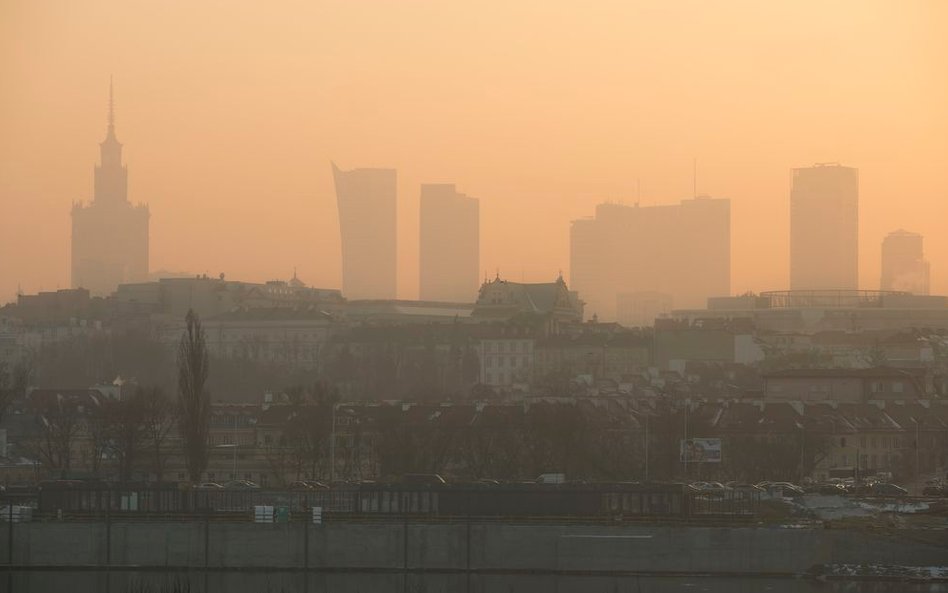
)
(230, 113)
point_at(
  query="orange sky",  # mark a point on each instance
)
(231, 111)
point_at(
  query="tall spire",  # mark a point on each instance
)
(111, 131)
(111, 177)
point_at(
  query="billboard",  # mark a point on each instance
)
(700, 451)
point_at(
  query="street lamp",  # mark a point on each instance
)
(332, 446)
(234, 447)
(917, 443)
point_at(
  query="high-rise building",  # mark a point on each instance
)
(904, 266)
(367, 217)
(824, 228)
(449, 244)
(109, 235)
(682, 251)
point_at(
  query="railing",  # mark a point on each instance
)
(593, 502)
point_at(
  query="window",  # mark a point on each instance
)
(862, 442)
(898, 387)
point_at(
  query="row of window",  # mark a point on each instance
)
(507, 346)
(892, 442)
(507, 361)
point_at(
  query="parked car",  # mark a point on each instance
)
(241, 485)
(828, 489)
(934, 489)
(783, 488)
(429, 479)
(711, 488)
(887, 490)
(745, 491)
(209, 486)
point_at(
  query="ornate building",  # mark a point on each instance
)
(109, 235)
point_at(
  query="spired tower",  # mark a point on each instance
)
(109, 235)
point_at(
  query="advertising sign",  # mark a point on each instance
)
(701, 451)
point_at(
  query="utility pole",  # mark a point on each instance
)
(917, 444)
(685, 441)
(332, 447)
(646, 447)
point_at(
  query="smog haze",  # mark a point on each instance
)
(231, 113)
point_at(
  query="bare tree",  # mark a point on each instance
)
(97, 429)
(14, 382)
(194, 409)
(159, 420)
(128, 431)
(59, 427)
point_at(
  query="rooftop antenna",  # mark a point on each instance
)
(111, 130)
(638, 190)
(694, 178)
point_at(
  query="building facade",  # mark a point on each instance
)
(367, 225)
(682, 251)
(824, 228)
(904, 267)
(109, 235)
(449, 241)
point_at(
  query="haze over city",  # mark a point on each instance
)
(230, 115)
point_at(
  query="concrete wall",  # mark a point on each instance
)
(492, 547)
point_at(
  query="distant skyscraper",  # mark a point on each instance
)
(824, 228)
(903, 263)
(449, 245)
(367, 204)
(110, 235)
(681, 251)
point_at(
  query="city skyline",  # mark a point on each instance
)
(539, 134)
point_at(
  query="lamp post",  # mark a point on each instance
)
(332, 446)
(802, 456)
(234, 447)
(646, 447)
(685, 441)
(917, 443)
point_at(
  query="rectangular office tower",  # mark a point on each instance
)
(824, 228)
(449, 244)
(904, 266)
(367, 225)
(680, 254)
